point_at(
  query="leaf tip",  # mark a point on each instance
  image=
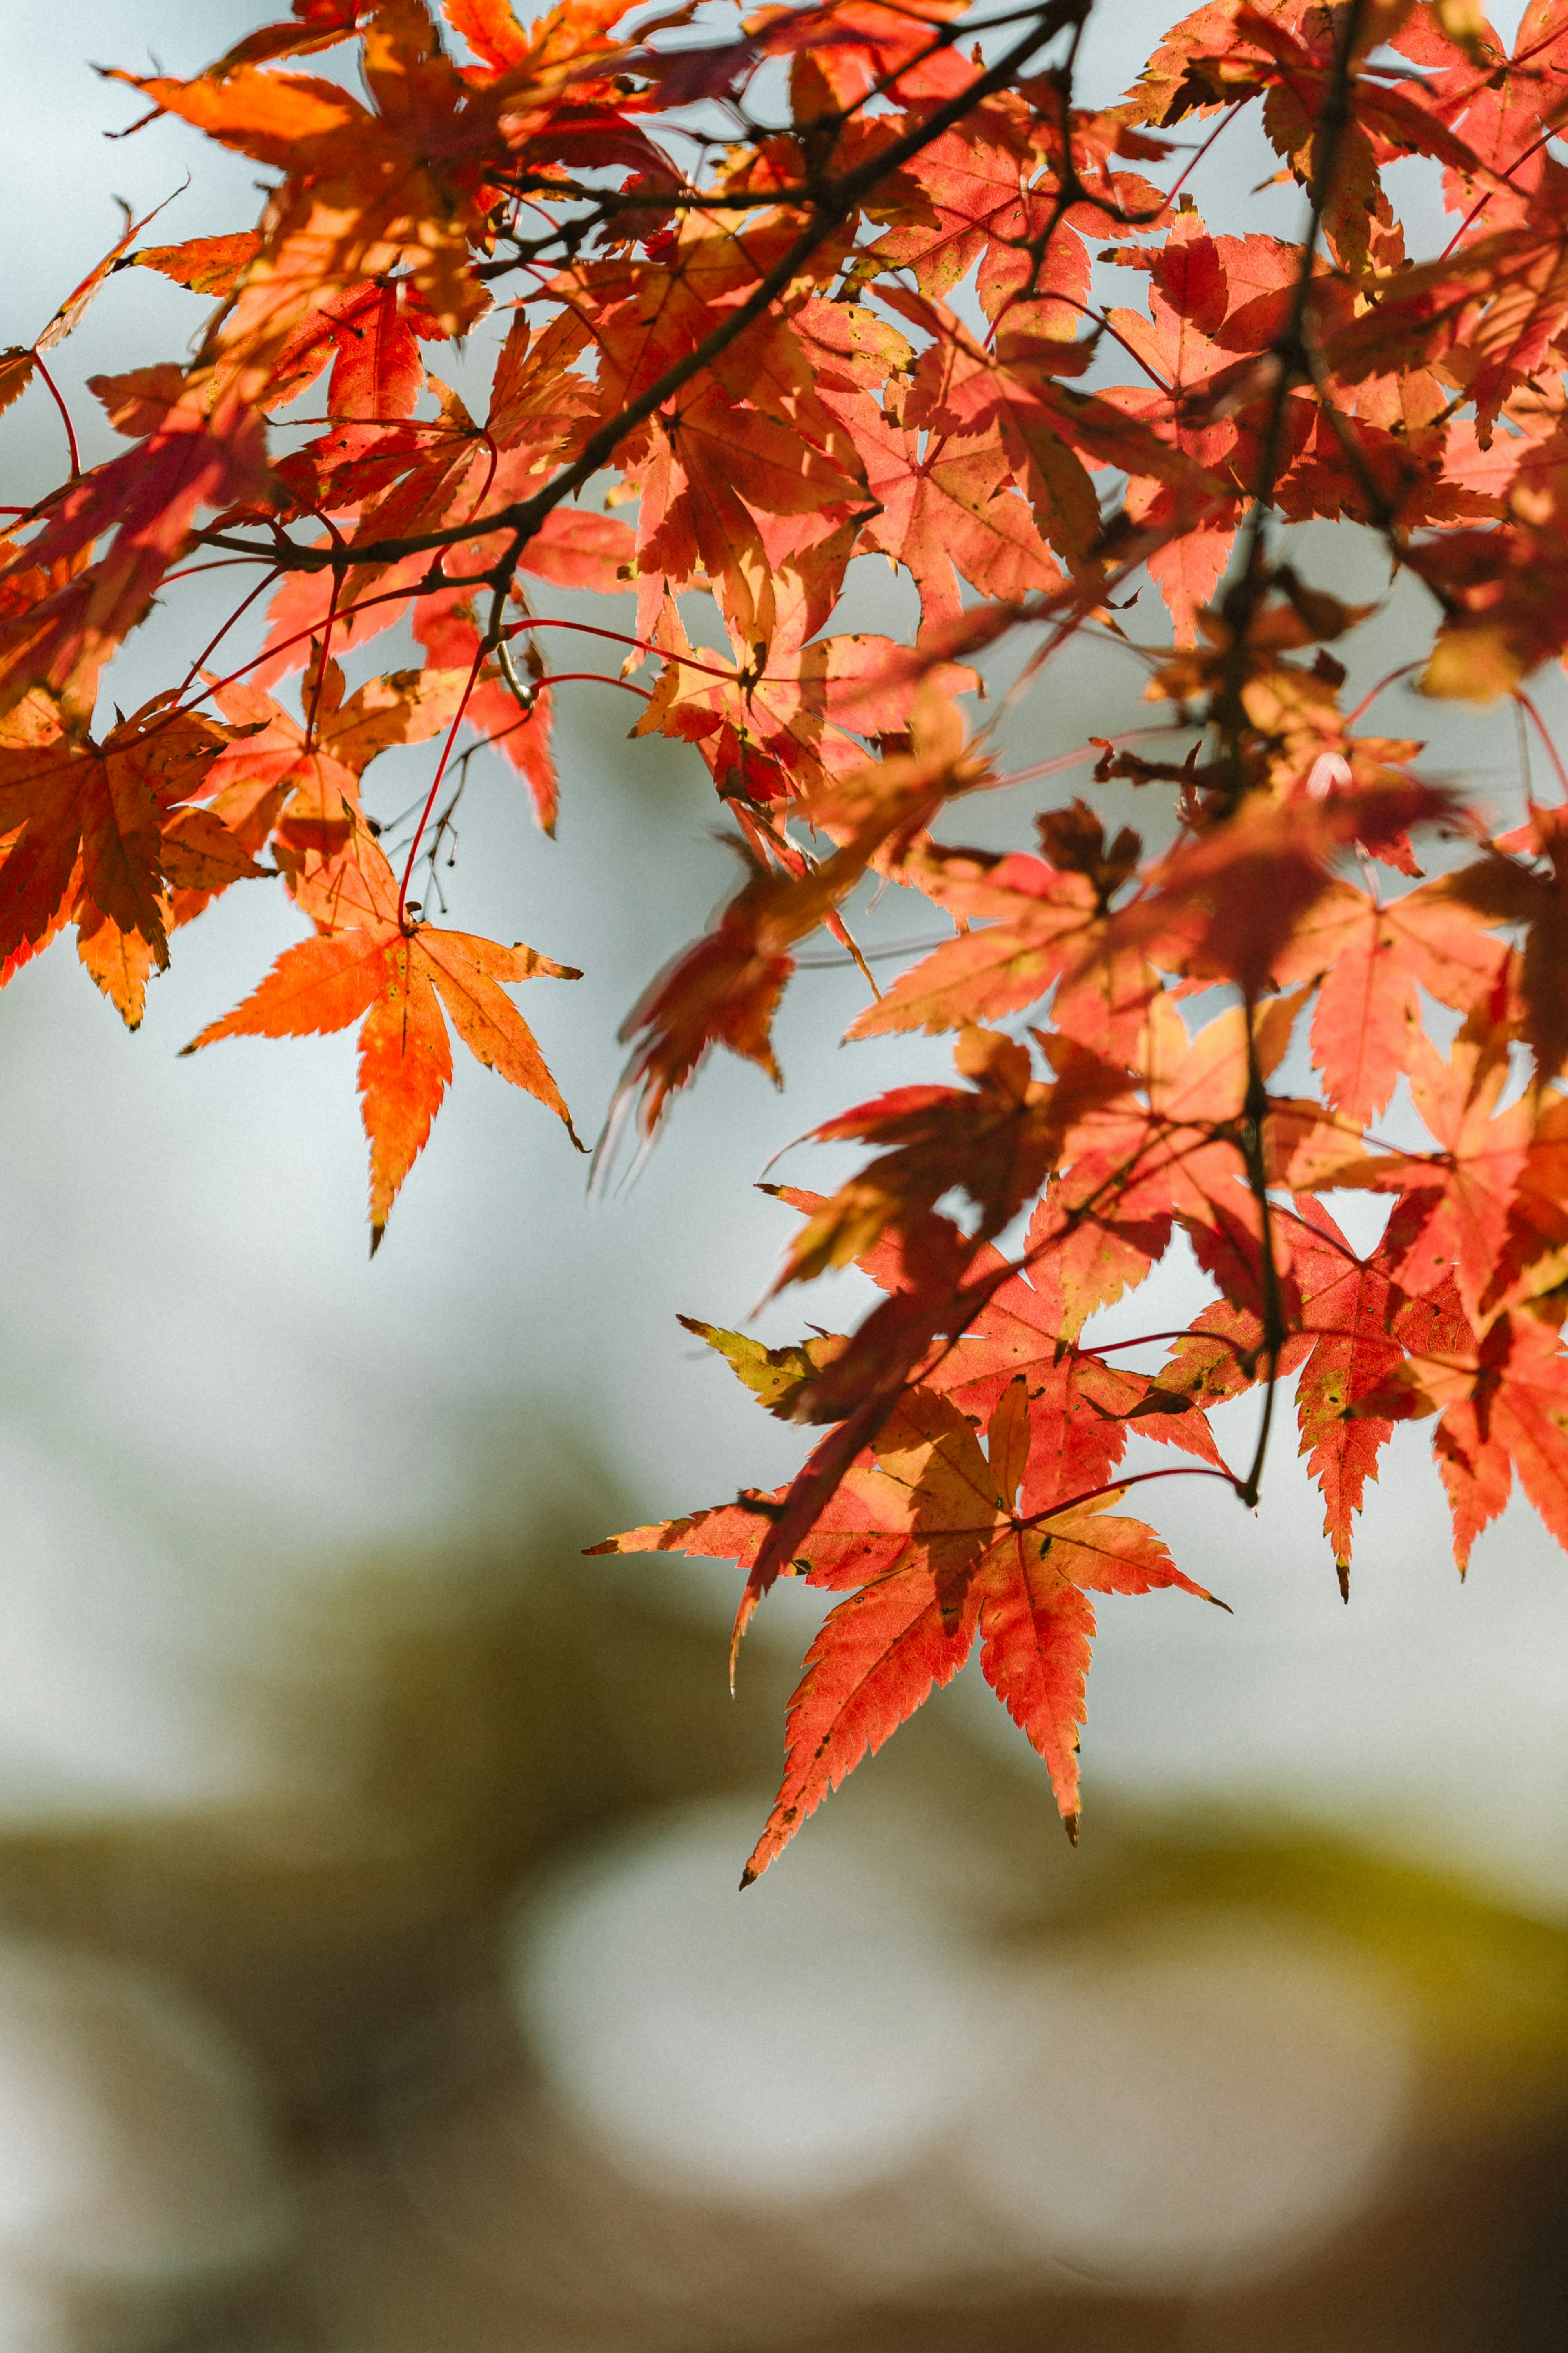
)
(743, 1617)
(376, 1234)
(1342, 1570)
(1070, 1824)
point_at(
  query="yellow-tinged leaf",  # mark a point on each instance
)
(1472, 664)
(17, 366)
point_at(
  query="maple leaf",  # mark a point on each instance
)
(1349, 1305)
(317, 24)
(1228, 902)
(419, 478)
(1181, 1152)
(445, 626)
(369, 335)
(1019, 386)
(18, 364)
(581, 551)
(1130, 1173)
(69, 314)
(1504, 890)
(847, 49)
(978, 193)
(1371, 963)
(1044, 927)
(717, 467)
(568, 33)
(1081, 1409)
(398, 981)
(1502, 591)
(1502, 1407)
(788, 719)
(1533, 1269)
(927, 1527)
(861, 1384)
(1168, 89)
(490, 28)
(1190, 301)
(1027, 1323)
(306, 779)
(1501, 108)
(98, 833)
(881, 809)
(726, 987)
(1515, 1420)
(651, 317)
(773, 1375)
(455, 471)
(949, 510)
(1459, 1199)
(366, 189)
(1493, 308)
(1348, 1322)
(1224, 53)
(207, 265)
(996, 1139)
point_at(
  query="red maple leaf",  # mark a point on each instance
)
(1458, 1197)
(1373, 962)
(148, 499)
(1351, 1307)
(927, 1528)
(1502, 1403)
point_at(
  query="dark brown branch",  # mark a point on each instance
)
(1255, 1113)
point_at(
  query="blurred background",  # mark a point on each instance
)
(371, 1972)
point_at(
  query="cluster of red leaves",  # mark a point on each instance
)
(808, 283)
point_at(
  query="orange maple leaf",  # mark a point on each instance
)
(101, 834)
(398, 982)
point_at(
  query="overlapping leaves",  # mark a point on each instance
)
(864, 327)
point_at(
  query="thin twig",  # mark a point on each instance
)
(65, 414)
